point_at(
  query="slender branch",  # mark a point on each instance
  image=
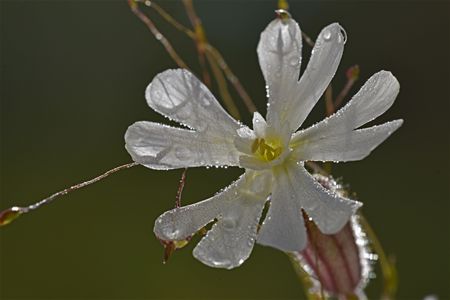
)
(232, 78)
(223, 89)
(200, 39)
(172, 21)
(7, 216)
(158, 35)
(180, 188)
(352, 76)
(251, 107)
(329, 103)
(307, 39)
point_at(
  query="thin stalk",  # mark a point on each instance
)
(223, 89)
(329, 103)
(7, 216)
(180, 188)
(157, 34)
(251, 107)
(352, 76)
(231, 77)
(308, 40)
(200, 39)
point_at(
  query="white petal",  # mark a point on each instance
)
(321, 68)
(329, 211)
(372, 100)
(180, 96)
(182, 222)
(159, 146)
(237, 208)
(347, 146)
(284, 227)
(244, 140)
(259, 125)
(279, 52)
(230, 241)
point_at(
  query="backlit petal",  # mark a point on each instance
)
(283, 227)
(180, 96)
(237, 210)
(373, 99)
(329, 211)
(162, 147)
(279, 52)
(322, 66)
(347, 146)
(259, 125)
(230, 241)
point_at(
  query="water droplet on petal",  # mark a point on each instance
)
(327, 35)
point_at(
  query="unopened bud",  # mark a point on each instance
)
(339, 263)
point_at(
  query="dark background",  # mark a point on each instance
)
(73, 75)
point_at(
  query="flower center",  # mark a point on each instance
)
(267, 150)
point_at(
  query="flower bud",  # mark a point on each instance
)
(339, 264)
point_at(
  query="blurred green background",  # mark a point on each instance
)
(73, 75)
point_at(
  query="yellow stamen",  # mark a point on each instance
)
(266, 151)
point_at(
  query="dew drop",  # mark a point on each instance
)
(327, 35)
(158, 36)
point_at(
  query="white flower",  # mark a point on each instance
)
(273, 153)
